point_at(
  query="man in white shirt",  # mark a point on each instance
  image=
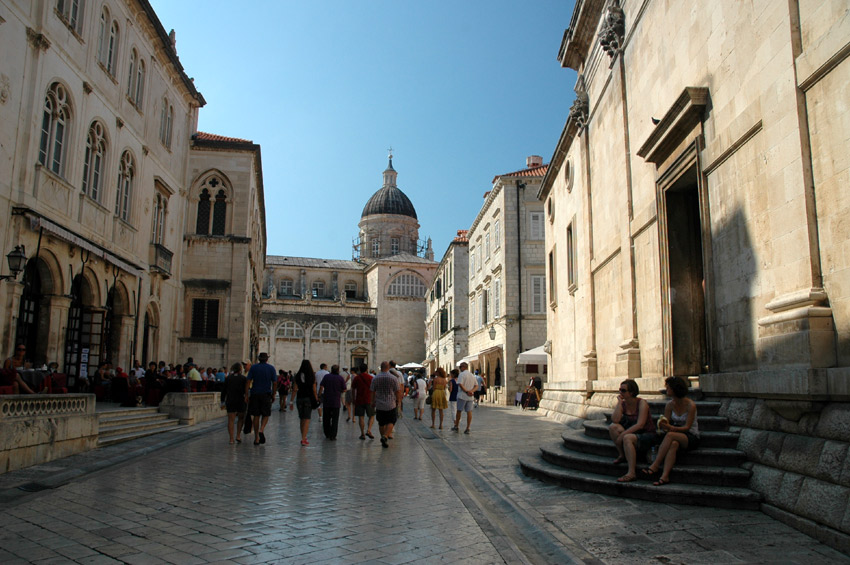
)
(467, 385)
(397, 374)
(320, 374)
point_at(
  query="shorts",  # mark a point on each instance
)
(477, 394)
(260, 404)
(452, 407)
(305, 408)
(386, 417)
(364, 410)
(347, 398)
(465, 405)
(420, 402)
(693, 442)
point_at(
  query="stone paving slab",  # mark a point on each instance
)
(187, 496)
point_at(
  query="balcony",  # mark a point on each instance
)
(160, 260)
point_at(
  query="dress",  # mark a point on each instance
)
(438, 398)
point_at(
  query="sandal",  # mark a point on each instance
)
(626, 479)
(649, 471)
(619, 460)
(661, 482)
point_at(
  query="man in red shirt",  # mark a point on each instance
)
(361, 396)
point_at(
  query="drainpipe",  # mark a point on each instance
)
(519, 185)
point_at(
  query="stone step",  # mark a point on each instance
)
(121, 412)
(599, 429)
(131, 419)
(672, 493)
(108, 431)
(131, 435)
(704, 407)
(577, 440)
(556, 454)
(706, 423)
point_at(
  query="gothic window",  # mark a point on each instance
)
(325, 330)
(72, 13)
(136, 78)
(318, 289)
(126, 174)
(95, 157)
(290, 330)
(107, 42)
(219, 213)
(286, 287)
(407, 284)
(166, 123)
(359, 332)
(55, 121)
(203, 223)
(350, 290)
(204, 318)
(131, 75)
(140, 83)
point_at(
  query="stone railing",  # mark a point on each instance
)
(192, 407)
(39, 428)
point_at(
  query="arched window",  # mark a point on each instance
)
(102, 34)
(55, 121)
(131, 75)
(126, 173)
(95, 157)
(219, 213)
(359, 332)
(112, 51)
(107, 42)
(325, 330)
(140, 83)
(72, 13)
(203, 224)
(407, 284)
(290, 330)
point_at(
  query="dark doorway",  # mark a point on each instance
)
(33, 316)
(687, 278)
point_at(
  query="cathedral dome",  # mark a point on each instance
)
(389, 200)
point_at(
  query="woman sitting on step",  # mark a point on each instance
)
(632, 430)
(680, 425)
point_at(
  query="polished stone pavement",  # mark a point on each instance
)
(187, 496)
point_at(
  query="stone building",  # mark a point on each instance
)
(354, 312)
(96, 115)
(507, 281)
(446, 325)
(695, 226)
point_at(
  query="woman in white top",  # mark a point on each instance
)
(681, 427)
(419, 402)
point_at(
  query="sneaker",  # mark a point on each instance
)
(384, 442)
(454, 429)
(362, 436)
(305, 442)
(466, 431)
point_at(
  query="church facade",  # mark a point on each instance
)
(363, 311)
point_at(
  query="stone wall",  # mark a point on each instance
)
(192, 407)
(35, 429)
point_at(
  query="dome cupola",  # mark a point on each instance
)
(389, 199)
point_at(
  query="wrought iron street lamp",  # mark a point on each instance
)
(17, 258)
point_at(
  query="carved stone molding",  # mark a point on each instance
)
(37, 40)
(87, 87)
(613, 29)
(119, 122)
(580, 109)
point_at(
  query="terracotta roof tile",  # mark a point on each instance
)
(204, 136)
(538, 171)
(462, 236)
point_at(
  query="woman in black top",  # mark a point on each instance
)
(304, 393)
(233, 398)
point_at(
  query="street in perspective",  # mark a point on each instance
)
(431, 497)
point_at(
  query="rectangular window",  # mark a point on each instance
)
(444, 321)
(286, 287)
(318, 289)
(553, 289)
(376, 248)
(204, 318)
(535, 225)
(394, 245)
(497, 234)
(350, 290)
(471, 261)
(487, 245)
(538, 294)
(571, 259)
(485, 306)
(497, 298)
(472, 318)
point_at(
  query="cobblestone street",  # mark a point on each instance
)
(431, 497)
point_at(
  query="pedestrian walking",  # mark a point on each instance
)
(421, 388)
(346, 398)
(361, 397)
(333, 386)
(467, 385)
(304, 396)
(233, 399)
(397, 374)
(320, 374)
(439, 401)
(261, 388)
(284, 382)
(386, 397)
(453, 389)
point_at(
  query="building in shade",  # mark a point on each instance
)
(363, 311)
(447, 323)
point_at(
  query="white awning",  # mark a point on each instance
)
(468, 359)
(534, 356)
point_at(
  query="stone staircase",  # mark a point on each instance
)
(127, 424)
(709, 476)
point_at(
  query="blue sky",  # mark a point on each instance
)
(461, 90)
